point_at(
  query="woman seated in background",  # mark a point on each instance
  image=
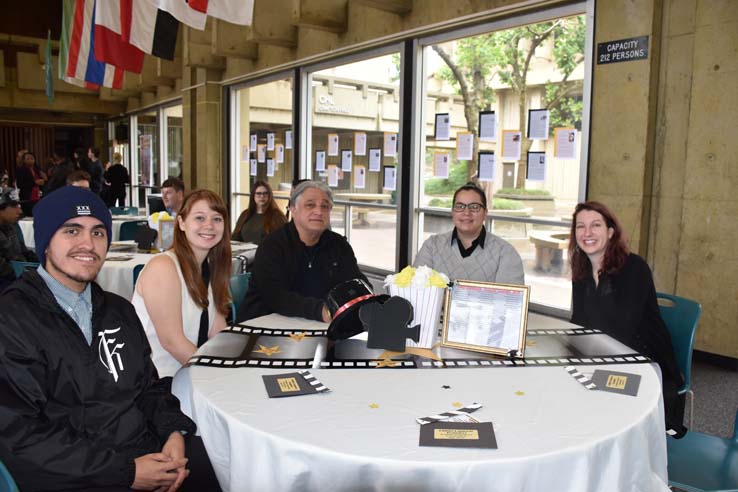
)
(182, 295)
(261, 218)
(613, 291)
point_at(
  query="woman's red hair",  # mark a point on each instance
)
(616, 250)
(219, 257)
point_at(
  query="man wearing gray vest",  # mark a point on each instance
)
(469, 252)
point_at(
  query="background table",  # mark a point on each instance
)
(117, 276)
(552, 433)
(26, 226)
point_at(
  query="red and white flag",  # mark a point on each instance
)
(190, 12)
(110, 47)
(194, 12)
(149, 28)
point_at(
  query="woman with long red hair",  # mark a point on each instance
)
(613, 291)
(261, 218)
(182, 295)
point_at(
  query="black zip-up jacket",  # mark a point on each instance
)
(74, 415)
(279, 259)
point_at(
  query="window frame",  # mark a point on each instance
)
(306, 158)
(585, 8)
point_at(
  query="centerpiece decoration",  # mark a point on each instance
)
(425, 289)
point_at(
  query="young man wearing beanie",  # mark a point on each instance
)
(12, 246)
(81, 405)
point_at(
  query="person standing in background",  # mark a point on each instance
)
(117, 178)
(30, 179)
(96, 170)
(63, 167)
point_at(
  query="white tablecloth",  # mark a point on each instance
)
(552, 433)
(26, 226)
(117, 276)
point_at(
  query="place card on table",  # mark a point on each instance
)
(292, 384)
(617, 382)
(458, 435)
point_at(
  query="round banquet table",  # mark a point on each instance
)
(551, 432)
(117, 276)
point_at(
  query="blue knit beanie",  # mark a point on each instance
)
(61, 205)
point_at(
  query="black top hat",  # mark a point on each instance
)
(344, 301)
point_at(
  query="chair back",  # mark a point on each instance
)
(704, 463)
(7, 484)
(21, 266)
(681, 316)
(124, 210)
(136, 271)
(128, 229)
(239, 286)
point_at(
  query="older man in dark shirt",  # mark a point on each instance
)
(298, 264)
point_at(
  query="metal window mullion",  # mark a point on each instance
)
(135, 151)
(161, 115)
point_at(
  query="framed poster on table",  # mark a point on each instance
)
(486, 317)
(165, 236)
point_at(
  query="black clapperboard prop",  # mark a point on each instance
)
(292, 384)
(458, 435)
(387, 324)
(617, 382)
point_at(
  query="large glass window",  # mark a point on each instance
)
(146, 139)
(263, 139)
(173, 142)
(353, 146)
(525, 84)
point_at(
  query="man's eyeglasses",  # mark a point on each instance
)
(473, 207)
(261, 193)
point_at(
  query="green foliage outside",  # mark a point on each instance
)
(472, 64)
(497, 203)
(523, 191)
(457, 177)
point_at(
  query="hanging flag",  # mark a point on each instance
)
(48, 70)
(110, 47)
(234, 11)
(77, 63)
(149, 28)
(189, 12)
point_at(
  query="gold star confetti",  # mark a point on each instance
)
(457, 404)
(520, 393)
(373, 405)
(386, 363)
(297, 336)
(267, 350)
(530, 343)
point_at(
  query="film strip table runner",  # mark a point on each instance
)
(249, 346)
